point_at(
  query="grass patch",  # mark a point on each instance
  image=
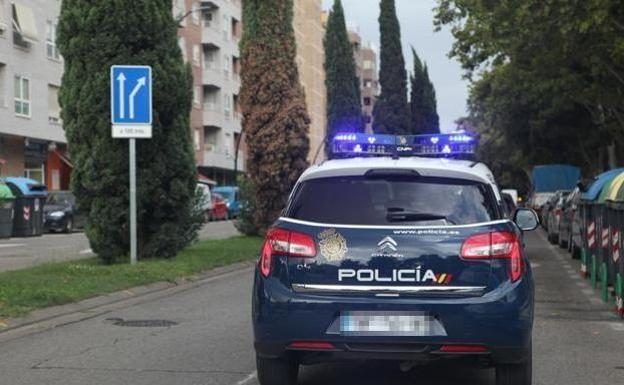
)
(22, 291)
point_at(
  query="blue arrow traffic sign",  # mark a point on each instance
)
(131, 95)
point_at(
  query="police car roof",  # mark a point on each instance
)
(436, 167)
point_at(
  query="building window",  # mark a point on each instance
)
(208, 22)
(51, 48)
(226, 66)
(54, 109)
(180, 10)
(227, 105)
(210, 100)
(226, 24)
(210, 59)
(22, 96)
(182, 44)
(196, 101)
(34, 170)
(235, 29)
(196, 139)
(367, 101)
(3, 100)
(196, 55)
(195, 13)
(368, 83)
(368, 64)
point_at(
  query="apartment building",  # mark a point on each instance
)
(369, 82)
(309, 33)
(32, 140)
(209, 38)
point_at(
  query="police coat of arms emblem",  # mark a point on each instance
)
(333, 245)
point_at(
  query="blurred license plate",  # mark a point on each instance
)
(389, 324)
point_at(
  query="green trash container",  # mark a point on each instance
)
(618, 253)
(30, 196)
(7, 199)
(600, 262)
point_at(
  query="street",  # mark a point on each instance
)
(207, 340)
(18, 253)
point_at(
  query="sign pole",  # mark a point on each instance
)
(133, 203)
(131, 116)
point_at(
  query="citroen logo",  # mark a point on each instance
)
(387, 244)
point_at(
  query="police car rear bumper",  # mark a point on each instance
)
(500, 321)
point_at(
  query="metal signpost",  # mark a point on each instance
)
(131, 115)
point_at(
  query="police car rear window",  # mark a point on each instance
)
(392, 200)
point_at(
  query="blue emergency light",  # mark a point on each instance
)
(441, 145)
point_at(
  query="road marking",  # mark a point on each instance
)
(588, 291)
(617, 326)
(534, 265)
(86, 251)
(596, 301)
(12, 245)
(250, 377)
(580, 284)
(574, 276)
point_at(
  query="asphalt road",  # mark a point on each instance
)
(18, 253)
(577, 340)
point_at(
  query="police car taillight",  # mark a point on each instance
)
(495, 245)
(287, 243)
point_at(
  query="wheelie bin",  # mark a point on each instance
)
(615, 229)
(618, 255)
(599, 268)
(591, 221)
(30, 196)
(7, 199)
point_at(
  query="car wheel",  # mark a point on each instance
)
(276, 371)
(69, 225)
(562, 243)
(515, 374)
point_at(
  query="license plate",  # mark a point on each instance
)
(390, 324)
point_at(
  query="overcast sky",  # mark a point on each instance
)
(416, 18)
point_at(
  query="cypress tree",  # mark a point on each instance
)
(92, 37)
(391, 111)
(431, 105)
(344, 108)
(275, 119)
(418, 111)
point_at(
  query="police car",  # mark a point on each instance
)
(383, 255)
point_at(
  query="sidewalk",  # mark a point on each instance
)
(19, 253)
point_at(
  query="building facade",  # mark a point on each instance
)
(209, 37)
(32, 140)
(309, 33)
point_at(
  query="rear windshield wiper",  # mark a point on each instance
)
(396, 214)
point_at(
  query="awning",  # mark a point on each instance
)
(64, 159)
(204, 179)
(24, 20)
(3, 23)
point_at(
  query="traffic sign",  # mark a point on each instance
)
(131, 101)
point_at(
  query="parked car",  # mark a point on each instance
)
(537, 202)
(219, 210)
(553, 212)
(570, 224)
(61, 213)
(232, 199)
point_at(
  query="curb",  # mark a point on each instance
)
(56, 316)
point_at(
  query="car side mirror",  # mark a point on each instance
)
(526, 219)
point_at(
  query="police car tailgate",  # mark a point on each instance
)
(395, 261)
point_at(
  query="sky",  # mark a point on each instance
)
(417, 30)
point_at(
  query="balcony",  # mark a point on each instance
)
(212, 117)
(212, 77)
(211, 33)
(221, 159)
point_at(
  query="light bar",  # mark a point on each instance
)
(445, 145)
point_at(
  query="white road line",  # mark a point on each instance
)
(250, 377)
(12, 245)
(588, 291)
(580, 284)
(574, 276)
(596, 301)
(86, 251)
(617, 326)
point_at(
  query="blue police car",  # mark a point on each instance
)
(383, 255)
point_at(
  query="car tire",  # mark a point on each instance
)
(515, 374)
(275, 371)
